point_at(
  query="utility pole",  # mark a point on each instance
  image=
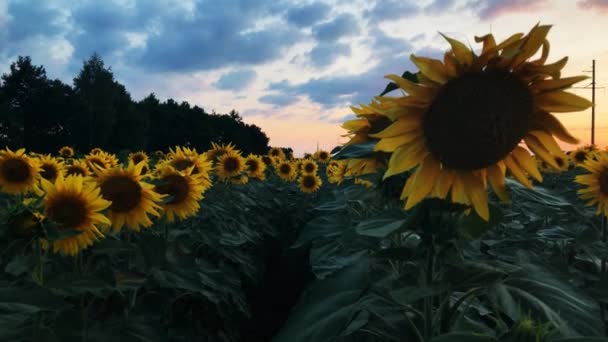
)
(593, 87)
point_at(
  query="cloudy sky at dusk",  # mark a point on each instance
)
(291, 67)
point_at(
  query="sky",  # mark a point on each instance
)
(293, 68)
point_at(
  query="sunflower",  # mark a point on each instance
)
(159, 154)
(596, 182)
(66, 152)
(72, 203)
(286, 170)
(50, 167)
(309, 166)
(368, 121)
(462, 124)
(335, 171)
(321, 156)
(218, 150)
(241, 180)
(276, 152)
(110, 158)
(182, 159)
(255, 167)
(95, 150)
(268, 160)
(138, 156)
(96, 162)
(183, 189)
(132, 200)
(230, 164)
(77, 167)
(309, 183)
(19, 173)
(579, 155)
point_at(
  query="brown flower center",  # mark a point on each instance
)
(122, 191)
(309, 167)
(477, 119)
(231, 164)
(580, 156)
(15, 170)
(137, 158)
(75, 170)
(48, 172)
(175, 186)
(285, 169)
(309, 181)
(68, 211)
(604, 182)
(252, 165)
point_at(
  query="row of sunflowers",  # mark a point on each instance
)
(97, 193)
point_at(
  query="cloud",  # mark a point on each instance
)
(488, 9)
(325, 54)
(438, 6)
(307, 15)
(599, 5)
(385, 10)
(278, 100)
(235, 80)
(344, 25)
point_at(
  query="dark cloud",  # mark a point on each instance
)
(325, 54)
(599, 5)
(31, 20)
(307, 15)
(384, 10)
(235, 80)
(344, 25)
(488, 9)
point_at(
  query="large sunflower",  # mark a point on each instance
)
(255, 167)
(230, 164)
(139, 156)
(132, 200)
(309, 183)
(19, 173)
(183, 189)
(463, 123)
(96, 162)
(596, 183)
(276, 152)
(50, 167)
(321, 156)
(218, 150)
(74, 204)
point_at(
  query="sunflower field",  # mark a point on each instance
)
(451, 214)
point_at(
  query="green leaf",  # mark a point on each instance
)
(20, 264)
(29, 300)
(364, 149)
(472, 226)
(463, 337)
(383, 225)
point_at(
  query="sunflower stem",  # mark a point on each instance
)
(428, 301)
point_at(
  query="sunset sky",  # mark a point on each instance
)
(291, 67)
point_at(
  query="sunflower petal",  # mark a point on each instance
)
(524, 160)
(463, 54)
(556, 84)
(431, 68)
(392, 143)
(426, 175)
(405, 158)
(561, 102)
(403, 125)
(478, 195)
(417, 90)
(517, 172)
(496, 178)
(544, 120)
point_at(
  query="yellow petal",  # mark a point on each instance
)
(405, 158)
(478, 195)
(459, 194)
(426, 175)
(556, 84)
(533, 41)
(431, 68)
(403, 125)
(356, 125)
(496, 177)
(489, 43)
(540, 151)
(517, 172)
(544, 120)
(463, 54)
(549, 143)
(561, 102)
(524, 160)
(443, 184)
(419, 91)
(392, 143)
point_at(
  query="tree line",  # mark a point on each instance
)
(43, 114)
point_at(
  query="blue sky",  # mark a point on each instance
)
(292, 67)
